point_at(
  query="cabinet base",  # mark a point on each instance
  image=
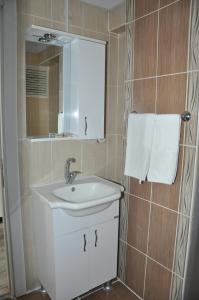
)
(42, 290)
(108, 286)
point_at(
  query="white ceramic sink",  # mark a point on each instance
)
(87, 195)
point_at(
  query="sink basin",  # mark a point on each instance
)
(80, 193)
(87, 195)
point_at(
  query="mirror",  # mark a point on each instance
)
(44, 88)
(65, 85)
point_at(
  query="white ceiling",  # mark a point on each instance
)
(104, 3)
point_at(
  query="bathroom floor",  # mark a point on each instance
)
(118, 292)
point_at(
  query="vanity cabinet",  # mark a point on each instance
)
(74, 254)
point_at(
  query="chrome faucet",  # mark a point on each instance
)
(70, 176)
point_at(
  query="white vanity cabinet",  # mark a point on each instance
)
(74, 254)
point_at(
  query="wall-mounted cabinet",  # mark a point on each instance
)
(74, 85)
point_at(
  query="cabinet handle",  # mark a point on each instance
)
(96, 238)
(84, 243)
(86, 125)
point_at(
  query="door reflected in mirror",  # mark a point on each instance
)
(44, 88)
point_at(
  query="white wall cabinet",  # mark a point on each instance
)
(75, 254)
(85, 107)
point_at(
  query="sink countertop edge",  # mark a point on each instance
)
(56, 203)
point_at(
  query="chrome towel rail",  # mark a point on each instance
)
(185, 116)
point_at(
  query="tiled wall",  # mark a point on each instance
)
(160, 77)
(43, 162)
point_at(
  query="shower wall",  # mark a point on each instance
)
(161, 76)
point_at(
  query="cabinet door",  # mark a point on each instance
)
(103, 253)
(88, 88)
(71, 262)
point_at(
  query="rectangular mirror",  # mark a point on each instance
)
(65, 85)
(44, 88)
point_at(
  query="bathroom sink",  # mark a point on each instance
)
(87, 195)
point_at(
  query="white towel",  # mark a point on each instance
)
(139, 143)
(165, 149)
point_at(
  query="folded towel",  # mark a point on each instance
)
(165, 149)
(139, 143)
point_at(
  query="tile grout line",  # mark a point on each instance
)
(151, 196)
(159, 205)
(140, 298)
(165, 75)
(151, 258)
(152, 12)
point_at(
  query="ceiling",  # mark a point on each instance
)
(104, 3)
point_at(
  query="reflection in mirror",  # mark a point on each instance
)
(44, 88)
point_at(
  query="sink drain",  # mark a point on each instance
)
(73, 189)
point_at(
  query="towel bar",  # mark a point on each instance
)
(185, 116)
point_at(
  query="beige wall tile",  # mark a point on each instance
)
(36, 7)
(75, 29)
(112, 60)
(23, 22)
(138, 222)
(122, 59)
(162, 235)
(93, 158)
(59, 11)
(61, 150)
(95, 18)
(95, 35)
(42, 22)
(117, 16)
(60, 26)
(119, 155)
(111, 110)
(75, 13)
(40, 162)
(158, 281)
(120, 110)
(111, 164)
